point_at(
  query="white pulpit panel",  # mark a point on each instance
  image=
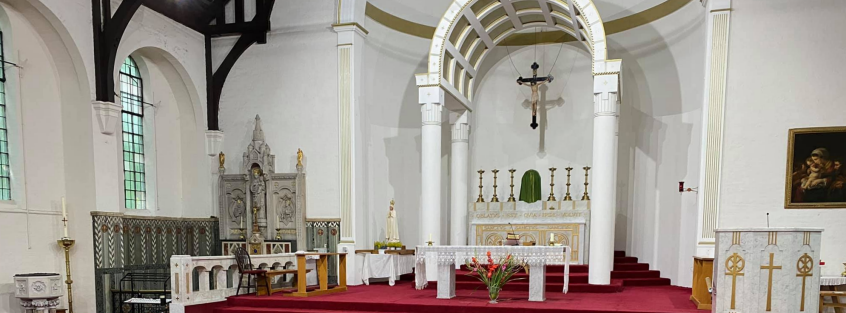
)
(767, 270)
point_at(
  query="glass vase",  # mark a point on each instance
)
(493, 293)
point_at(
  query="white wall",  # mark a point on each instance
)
(292, 83)
(659, 143)
(58, 137)
(500, 133)
(780, 76)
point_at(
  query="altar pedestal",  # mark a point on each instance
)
(767, 270)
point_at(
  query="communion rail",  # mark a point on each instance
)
(205, 279)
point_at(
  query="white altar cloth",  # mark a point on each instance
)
(448, 257)
(389, 266)
(832, 281)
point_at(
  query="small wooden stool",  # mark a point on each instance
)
(834, 299)
(264, 280)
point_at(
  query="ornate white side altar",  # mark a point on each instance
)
(567, 221)
(538, 257)
(767, 270)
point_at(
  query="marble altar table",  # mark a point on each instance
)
(767, 270)
(447, 257)
(389, 266)
(567, 221)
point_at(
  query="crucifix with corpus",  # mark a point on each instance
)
(534, 83)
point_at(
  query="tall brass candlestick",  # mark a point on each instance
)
(586, 197)
(495, 199)
(66, 244)
(511, 198)
(480, 199)
(567, 196)
(551, 184)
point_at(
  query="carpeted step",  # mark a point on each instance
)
(659, 281)
(625, 259)
(635, 274)
(523, 286)
(631, 267)
(242, 309)
(619, 254)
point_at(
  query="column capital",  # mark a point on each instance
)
(606, 94)
(108, 113)
(431, 113)
(717, 6)
(214, 142)
(461, 128)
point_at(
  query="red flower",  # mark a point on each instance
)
(489, 254)
(489, 274)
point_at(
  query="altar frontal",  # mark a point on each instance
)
(565, 222)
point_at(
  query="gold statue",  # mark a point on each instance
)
(222, 158)
(299, 157)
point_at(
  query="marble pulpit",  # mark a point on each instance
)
(767, 270)
(568, 222)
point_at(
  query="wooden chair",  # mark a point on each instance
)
(245, 267)
(835, 302)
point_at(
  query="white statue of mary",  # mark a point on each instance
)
(392, 232)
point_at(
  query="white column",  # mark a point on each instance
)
(458, 179)
(716, 60)
(351, 37)
(604, 175)
(108, 162)
(430, 170)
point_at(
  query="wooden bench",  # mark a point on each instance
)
(835, 302)
(264, 281)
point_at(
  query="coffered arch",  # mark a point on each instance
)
(469, 29)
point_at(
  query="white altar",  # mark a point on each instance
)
(447, 257)
(767, 270)
(390, 266)
(567, 221)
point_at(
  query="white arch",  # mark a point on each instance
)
(453, 61)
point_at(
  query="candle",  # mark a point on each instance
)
(65, 217)
(551, 237)
(242, 221)
(430, 236)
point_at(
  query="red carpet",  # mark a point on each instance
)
(404, 298)
(652, 294)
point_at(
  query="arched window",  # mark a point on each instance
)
(132, 99)
(5, 177)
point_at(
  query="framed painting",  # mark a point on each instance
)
(815, 176)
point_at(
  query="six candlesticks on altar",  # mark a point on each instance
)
(567, 197)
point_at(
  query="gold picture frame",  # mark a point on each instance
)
(814, 177)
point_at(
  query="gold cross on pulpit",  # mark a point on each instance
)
(770, 267)
(804, 267)
(734, 265)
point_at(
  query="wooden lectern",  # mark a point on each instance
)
(703, 269)
(322, 274)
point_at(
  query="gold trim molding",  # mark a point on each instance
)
(357, 25)
(611, 27)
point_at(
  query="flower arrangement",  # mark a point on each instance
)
(395, 245)
(380, 245)
(495, 274)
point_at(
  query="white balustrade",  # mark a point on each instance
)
(182, 269)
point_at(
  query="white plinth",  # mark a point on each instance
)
(767, 270)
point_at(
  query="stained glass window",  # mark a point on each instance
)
(132, 99)
(5, 173)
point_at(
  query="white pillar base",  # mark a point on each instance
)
(353, 271)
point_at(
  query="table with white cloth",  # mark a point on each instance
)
(389, 266)
(447, 257)
(833, 283)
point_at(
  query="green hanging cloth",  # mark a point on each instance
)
(530, 187)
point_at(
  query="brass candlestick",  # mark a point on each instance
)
(551, 184)
(844, 272)
(495, 199)
(480, 199)
(279, 234)
(511, 197)
(429, 243)
(567, 196)
(67, 243)
(586, 197)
